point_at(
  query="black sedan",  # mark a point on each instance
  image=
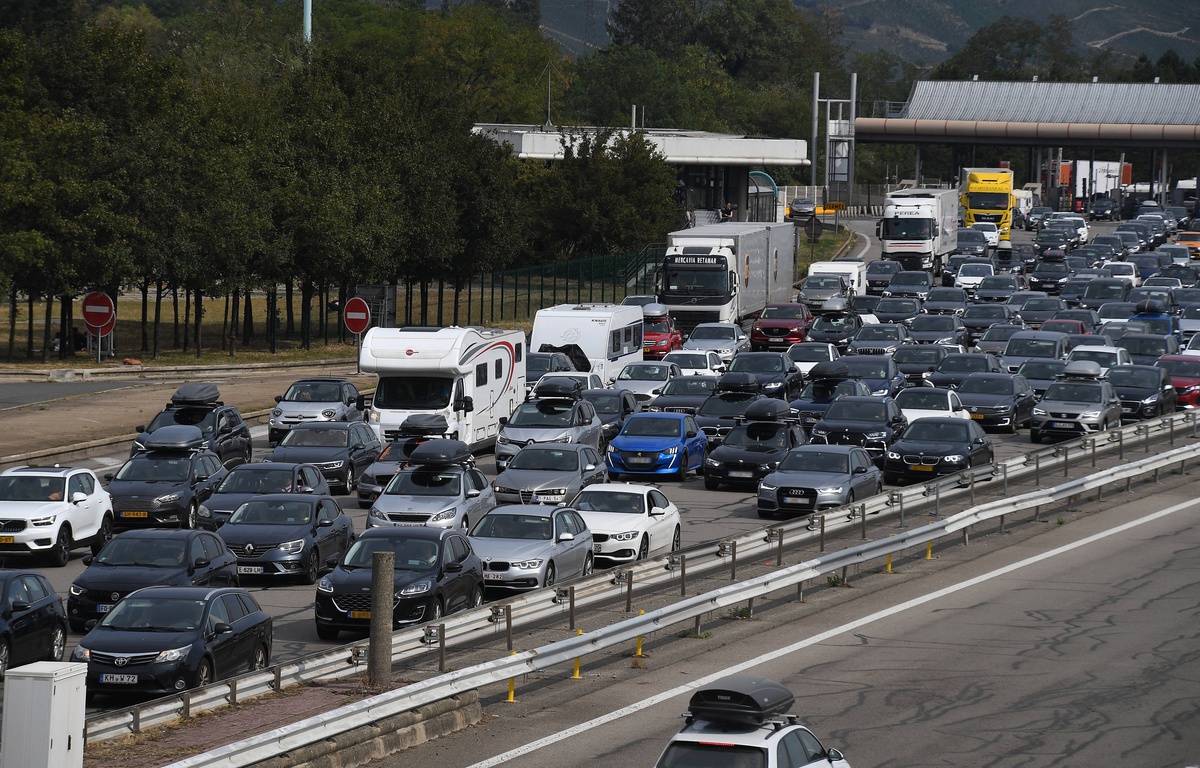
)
(871, 422)
(287, 534)
(979, 317)
(1145, 391)
(939, 329)
(1049, 276)
(836, 328)
(137, 559)
(916, 361)
(163, 640)
(945, 301)
(163, 488)
(775, 373)
(341, 450)
(997, 288)
(957, 366)
(750, 452)
(33, 624)
(897, 309)
(436, 574)
(246, 481)
(998, 399)
(684, 394)
(936, 446)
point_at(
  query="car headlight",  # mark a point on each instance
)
(416, 588)
(293, 547)
(1090, 415)
(879, 392)
(893, 455)
(328, 413)
(44, 521)
(773, 385)
(1001, 408)
(624, 536)
(652, 409)
(767, 487)
(559, 492)
(1063, 279)
(674, 449)
(76, 590)
(1150, 400)
(1040, 412)
(331, 464)
(502, 489)
(945, 340)
(445, 514)
(174, 654)
(831, 490)
(561, 439)
(325, 585)
(526, 565)
(80, 654)
(612, 448)
(801, 296)
(204, 511)
(168, 498)
(954, 458)
(712, 463)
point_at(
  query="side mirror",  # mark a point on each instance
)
(20, 605)
(331, 563)
(87, 559)
(201, 562)
(140, 428)
(222, 628)
(468, 404)
(326, 523)
(201, 477)
(566, 537)
(360, 402)
(90, 624)
(589, 467)
(453, 568)
(78, 497)
(108, 476)
(472, 494)
(860, 471)
(279, 398)
(690, 433)
(358, 446)
(503, 420)
(657, 511)
(656, 391)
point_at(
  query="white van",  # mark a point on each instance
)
(599, 338)
(471, 376)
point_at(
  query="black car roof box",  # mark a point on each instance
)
(441, 451)
(829, 369)
(197, 393)
(559, 386)
(1152, 307)
(767, 409)
(738, 382)
(424, 425)
(741, 699)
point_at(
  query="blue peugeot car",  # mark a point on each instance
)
(657, 444)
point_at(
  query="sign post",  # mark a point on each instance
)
(357, 316)
(100, 317)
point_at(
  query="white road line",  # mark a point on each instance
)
(815, 639)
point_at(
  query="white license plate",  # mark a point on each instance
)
(103, 608)
(121, 679)
(547, 499)
(1061, 425)
(809, 420)
(639, 460)
(1126, 410)
(795, 500)
(493, 577)
(250, 570)
(741, 473)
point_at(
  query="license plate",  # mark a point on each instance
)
(639, 460)
(920, 468)
(795, 500)
(103, 608)
(1061, 425)
(493, 577)
(809, 420)
(741, 473)
(547, 499)
(977, 416)
(6, 540)
(1126, 410)
(122, 679)
(250, 570)
(359, 614)
(135, 513)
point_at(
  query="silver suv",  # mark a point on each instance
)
(440, 488)
(1078, 403)
(314, 400)
(548, 420)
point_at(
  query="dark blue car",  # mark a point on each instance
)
(657, 444)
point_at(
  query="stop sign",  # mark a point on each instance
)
(356, 315)
(99, 314)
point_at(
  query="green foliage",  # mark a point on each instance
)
(1017, 49)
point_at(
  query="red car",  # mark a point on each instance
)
(780, 326)
(1185, 377)
(659, 334)
(1061, 325)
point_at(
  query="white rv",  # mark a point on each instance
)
(471, 376)
(602, 337)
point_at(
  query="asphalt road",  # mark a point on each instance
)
(21, 394)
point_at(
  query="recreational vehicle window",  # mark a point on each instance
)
(481, 374)
(412, 392)
(499, 368)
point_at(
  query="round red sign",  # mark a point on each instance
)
(99, 314)
(356, 315)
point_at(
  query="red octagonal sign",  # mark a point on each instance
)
(356, 315)
(99, 314)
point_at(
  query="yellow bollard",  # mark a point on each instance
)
(929, 550)
(889, 557)
(638, 653)
(575, 676)
(512, 684)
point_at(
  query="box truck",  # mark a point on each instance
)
(470, 376)
(985, 194)
(919, 228)
(724, 273)
(599, 338)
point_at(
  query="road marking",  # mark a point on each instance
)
(680, 690)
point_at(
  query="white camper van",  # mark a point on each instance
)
(471, 376)
(600, 338)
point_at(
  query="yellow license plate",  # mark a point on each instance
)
(132, 513)
(6, 540)
(360, 614)
(920, 468)
(978, 416)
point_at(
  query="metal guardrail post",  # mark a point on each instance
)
(1093, 442)
(1171, 430)
(1066, 461)
(1146, 437)
(733, 562)
(821, 523)
(1120, 445)
(1004, 470)
(628, 591)
(571, 609)
(1037, 470)
(862, 517)
(508, 625)
(972, 483)
(682, 576)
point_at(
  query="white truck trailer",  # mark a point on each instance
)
(919, 228)
(471, 376)
(724, 273)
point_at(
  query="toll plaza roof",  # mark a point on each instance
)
(678, 147)
(1039, 113)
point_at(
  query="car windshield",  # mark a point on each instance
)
(794, 312)
(1191, 313)
(1134, 377)
(962, 363)
(552, 459)
(822, 283)
(815, 461)
(1182, 368)
(154, 614)
(834, 322)
(877, 333)
(882, 268)
(542, 413)
(411, 554)
(925, 430)
(1042, 305)
(157, 469)
(758, 436)
(817, 353)
(609, 501)
(918, 353)
(1067, 392)
(243, 479)
(536, 365)
(606, 404)
(411, 393)
(713, 332)
(31, 488)
(973, 385)
(204, 418)
(947, 294)
(1052, 267)
(1035, 369)
(145, 552)
(1031, 348)
(725, 405)
(424, 482)
(841, 410)
(1000, 333)
(1161, 326)
(897, 307)
(685, 754)
(316, 438)
(504, 525)
(933, 323)
(975, 270)
(652, 426)
(757, 364)
(272, 512)
(923, 399)
(689, 385)
(1116, 310)
(911, 278)
(657, 325)
(1148, 347)
(313, 392)
(971, 236)
(643, 372)
(688, 359)
(867, 369)
(984, 312)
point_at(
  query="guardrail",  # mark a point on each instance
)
(540, 605)
(330, 724)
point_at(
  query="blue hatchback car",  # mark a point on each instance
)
(657, 444)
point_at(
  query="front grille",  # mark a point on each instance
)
(146, 504)
(381, 479)
(103, 595)
(846, 438)
(257, 554)
(680, 409)
(401, 517)
(928, 461)
(776, 331)
(353, 602)
(872, 350)
(131, 659)
(526, 497)
(796, 498)
(12, 526)
(497, 566)
(599, 538)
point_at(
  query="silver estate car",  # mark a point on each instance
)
(440, 489)
(549, 473)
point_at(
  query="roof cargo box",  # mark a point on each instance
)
(738, 382)
(1152, 307)
(559, 386)
(829, 369)
(441, 451)
(768, 409)
(424, 424)
(741, 699)
(196, 393)
(654, 310)
(175, 437)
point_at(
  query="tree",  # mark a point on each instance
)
(660, 26)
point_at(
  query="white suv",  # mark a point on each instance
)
(741, 721)
(52, 510)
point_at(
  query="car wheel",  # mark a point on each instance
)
(204, 674)
(614, 476)
(589, 565)
(189, 522)
(327, 633)
(438, 609)
(550, 576)
(58, 644)
(103, 536)
(5, 656)
(476, 598)
(351, 481)
(60, 553)
(675, 540)
(711, 483)
(1034, 435)
(681, 474)
(1012, 425)
(312, 567)
(261, 660)
(644, 549)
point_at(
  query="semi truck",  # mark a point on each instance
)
(986, 195)
(470, 376)
(919, 228)
(725, 273)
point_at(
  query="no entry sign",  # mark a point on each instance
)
(99, 314)
(356, 315)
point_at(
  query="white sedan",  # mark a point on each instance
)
(628, 522)
(925, 402)
(807, 354)
(697, 363)
(990, 232)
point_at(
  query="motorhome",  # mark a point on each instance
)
(473, 377)
(599, 338)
